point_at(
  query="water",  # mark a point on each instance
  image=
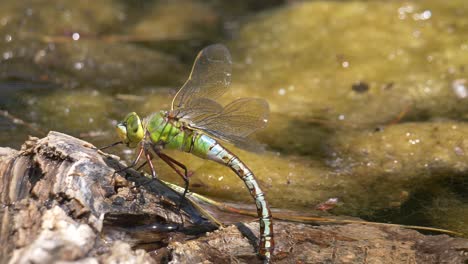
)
(362, 93)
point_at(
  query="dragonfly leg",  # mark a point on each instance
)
(148, 159)
(170, 161)
(141, 166)
(111, 145)
(134, 163)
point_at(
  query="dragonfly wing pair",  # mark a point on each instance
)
(196, 101)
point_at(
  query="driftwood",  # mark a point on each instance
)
(62, 202)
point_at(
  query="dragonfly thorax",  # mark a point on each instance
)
(161, 128)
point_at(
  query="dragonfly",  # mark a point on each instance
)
(198, 124)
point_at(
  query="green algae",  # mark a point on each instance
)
(306, 58)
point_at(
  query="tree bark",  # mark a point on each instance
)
(63, 202)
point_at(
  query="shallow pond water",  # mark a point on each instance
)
(368, 98)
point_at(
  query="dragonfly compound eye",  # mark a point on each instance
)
(121, 129)
(134, 129)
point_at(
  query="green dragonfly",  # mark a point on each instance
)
(196, 122)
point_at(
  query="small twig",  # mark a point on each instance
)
(19, 121)
(400, 116)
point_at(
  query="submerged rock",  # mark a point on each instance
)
(306, 58)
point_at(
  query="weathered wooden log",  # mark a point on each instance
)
(62, 201)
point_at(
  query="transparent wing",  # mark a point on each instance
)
(199, 109)
(210, 77)
(239, 118)
(241, 142)
(236, 121)
(196, 101)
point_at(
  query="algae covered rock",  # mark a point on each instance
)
(68, 43)
(356, 61)
(179, 20)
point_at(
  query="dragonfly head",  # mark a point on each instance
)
(130, 130)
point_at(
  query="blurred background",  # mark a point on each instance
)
(368, 98)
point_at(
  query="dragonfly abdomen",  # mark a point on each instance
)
(208, 148)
